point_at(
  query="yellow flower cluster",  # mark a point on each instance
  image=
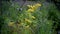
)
(30, 10)
(33, 7)
(27, 20)
(37, 5)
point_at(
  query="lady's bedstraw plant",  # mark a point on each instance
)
(30, 18)
(31, 9)
(26, 19)
(30, 21)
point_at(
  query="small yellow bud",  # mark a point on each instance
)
(33, 17)
(30, 10)
(30, 6)
(27, 20)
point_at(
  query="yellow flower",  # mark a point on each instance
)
(33, 17)
(30, 6)
(33, 7)
(27, 20)
(37, 4)
(10, 23)
(30, 10)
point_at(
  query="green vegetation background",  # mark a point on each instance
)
(46, 16)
